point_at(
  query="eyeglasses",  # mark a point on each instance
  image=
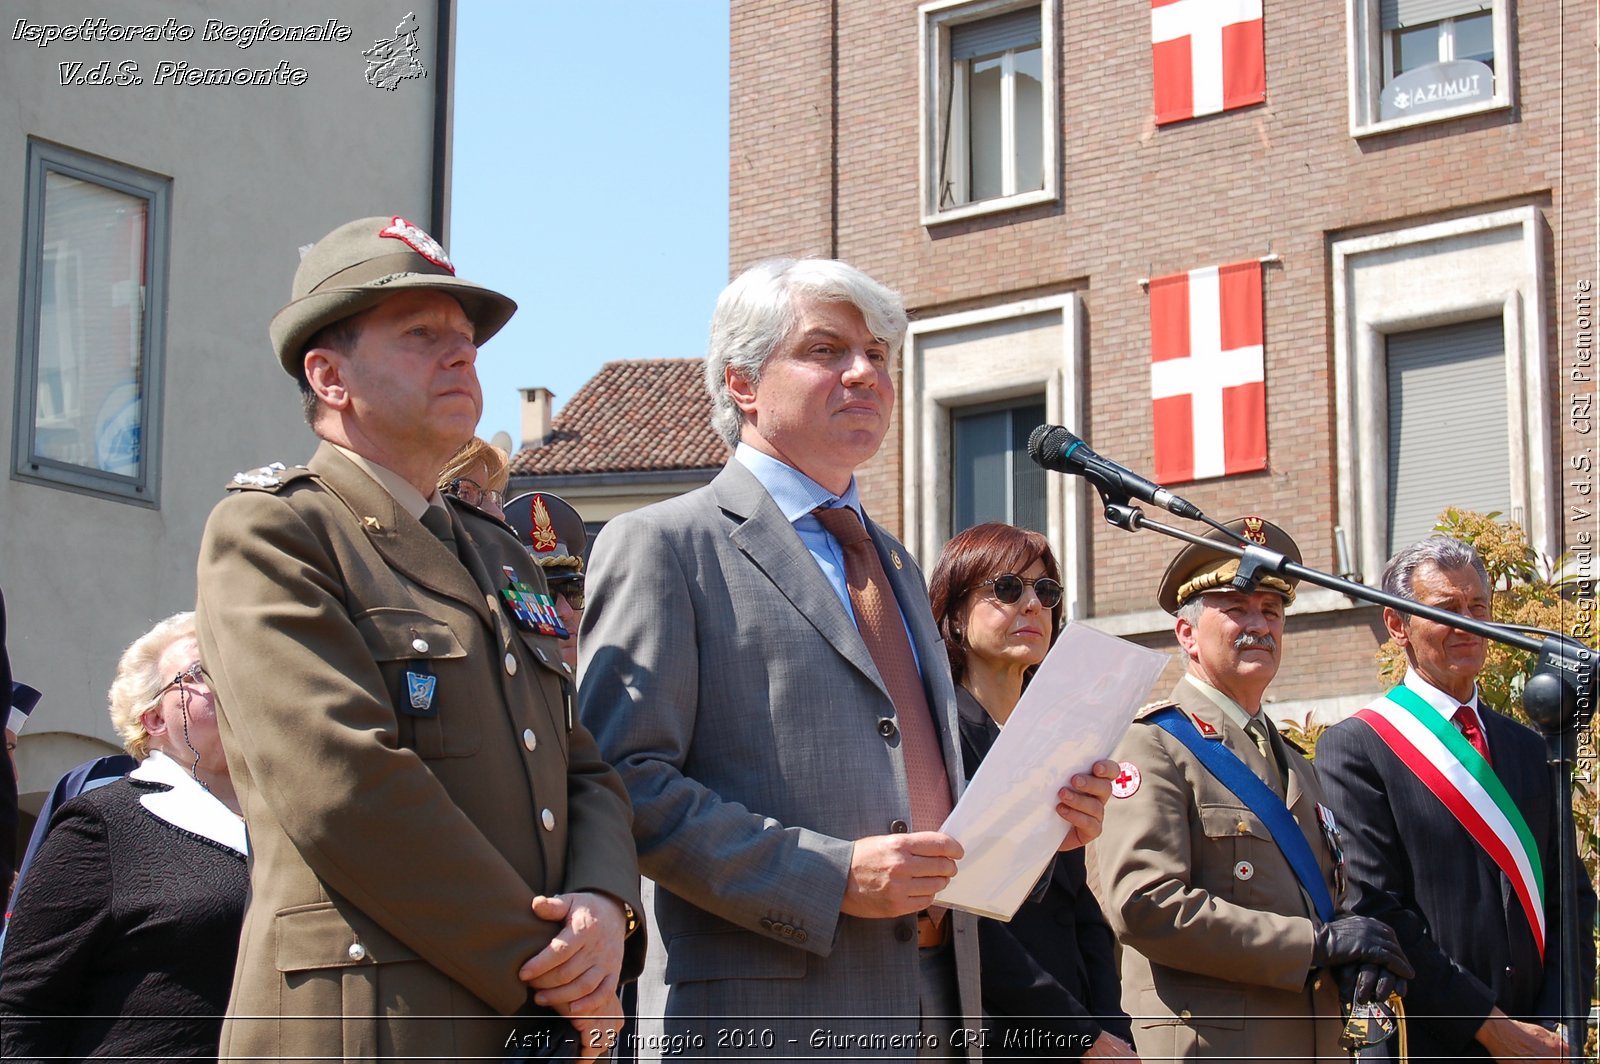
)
(1008, 589)
(194, 674)
(473, 494)
(572, 591)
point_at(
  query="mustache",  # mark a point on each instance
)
(1247, 640)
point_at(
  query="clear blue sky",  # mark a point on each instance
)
(590, 184)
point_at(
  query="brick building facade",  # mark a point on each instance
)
(1370, 227)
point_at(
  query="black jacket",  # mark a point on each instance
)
(1050, 981)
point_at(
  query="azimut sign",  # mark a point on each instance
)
(1436, 87)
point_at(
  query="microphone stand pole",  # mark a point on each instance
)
(1559, 698)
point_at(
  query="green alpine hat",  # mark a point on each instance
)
(357, 266)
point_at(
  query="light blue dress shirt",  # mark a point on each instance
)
(797, 495)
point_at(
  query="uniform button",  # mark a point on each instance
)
(511, 665)
(788, 930)
(1185, 1015)
(358, 952)
(420, 645)
(903, 933)
(1244, 828)
(799, 935)
(766, 924)
(886, 728)
(548, 819)
(899, 827)
(530, 740)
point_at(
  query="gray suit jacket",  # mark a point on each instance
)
(725, 681)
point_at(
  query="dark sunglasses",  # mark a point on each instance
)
(1008, 589)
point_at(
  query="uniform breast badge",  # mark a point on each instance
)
(421, 684)
(532, 611)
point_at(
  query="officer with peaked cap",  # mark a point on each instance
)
(554, 534)
(1229, 938)
(434, 844)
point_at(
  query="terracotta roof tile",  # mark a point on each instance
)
(633, 416)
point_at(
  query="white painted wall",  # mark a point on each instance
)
(256, 172)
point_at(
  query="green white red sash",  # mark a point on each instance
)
(1459, 777)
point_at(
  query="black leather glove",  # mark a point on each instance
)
(1364, 983)
(1359, 940)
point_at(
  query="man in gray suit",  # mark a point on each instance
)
(760, 664)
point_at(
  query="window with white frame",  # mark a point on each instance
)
(989, 90)
(1442, 387)
(994, 479)
(974, 386)
(1423, 60)
(93, 302)
(1446, 385)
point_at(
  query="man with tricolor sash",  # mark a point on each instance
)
(1450, 830)
(1219, 863)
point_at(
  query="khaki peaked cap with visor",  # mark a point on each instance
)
(1198, 568)
(358, 266)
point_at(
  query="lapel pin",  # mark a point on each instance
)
(894, 556)
(371, 524)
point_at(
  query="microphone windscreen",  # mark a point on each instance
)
(1046, 443)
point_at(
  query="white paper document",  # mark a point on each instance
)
(1078, 704)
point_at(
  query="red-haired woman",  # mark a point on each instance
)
(1050, 984)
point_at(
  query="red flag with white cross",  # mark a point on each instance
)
(1208, 373)
(1208, 56)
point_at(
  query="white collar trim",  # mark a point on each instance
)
(188, 805)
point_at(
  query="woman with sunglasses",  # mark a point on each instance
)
(1050, 987)
(123, 936)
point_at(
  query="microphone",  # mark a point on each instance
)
(1054, 448)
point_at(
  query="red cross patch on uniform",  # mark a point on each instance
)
(1127, 780)
(414, 238)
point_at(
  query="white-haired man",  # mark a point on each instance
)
(761, 665)
(1450, 830)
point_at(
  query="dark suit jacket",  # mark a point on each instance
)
(1051, 972)
(1413, 866)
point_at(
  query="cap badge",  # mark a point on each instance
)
(543, 533)
(420, 242)
(1255, 531)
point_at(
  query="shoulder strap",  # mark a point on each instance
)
(1236, 776)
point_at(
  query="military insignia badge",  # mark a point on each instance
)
(1255, 530)
(421, 684)
(532, 611)
(1205, 729)
(266, 476)
(414, 238)
(1127, 781)
(1244, 871)
(543, 533)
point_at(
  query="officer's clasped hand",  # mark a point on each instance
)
(1368, 944)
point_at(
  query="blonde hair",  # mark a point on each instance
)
(473, 453)
(139, 682)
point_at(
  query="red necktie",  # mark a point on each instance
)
(1467, 721)
(878, 619)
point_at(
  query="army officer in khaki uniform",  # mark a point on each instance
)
(1225, 955)
(435, 843)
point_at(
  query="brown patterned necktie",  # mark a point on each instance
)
(1258, 730)
(878, 619)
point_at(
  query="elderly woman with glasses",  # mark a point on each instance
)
(1050, 987)
(123, 937)
(477, 474)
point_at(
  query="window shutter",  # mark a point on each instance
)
(991, 36)
(1396, 14)
(1448, 443)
